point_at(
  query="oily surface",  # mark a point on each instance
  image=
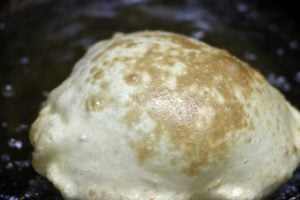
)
(193, 75)
(177, 119)
(37, 56)
(177, 107)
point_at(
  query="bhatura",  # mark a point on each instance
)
(159, 116)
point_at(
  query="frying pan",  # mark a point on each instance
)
(41, 40)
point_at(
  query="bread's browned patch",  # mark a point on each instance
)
(98, 102)
(98, 74)
(147, 147)
(200, 123)
(132, 117)
(92, 192)
(182, 111)
(104, 85)
(132, 78)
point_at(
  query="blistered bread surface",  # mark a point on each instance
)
(159, 116)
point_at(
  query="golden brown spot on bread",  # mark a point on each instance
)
(199, 146)
(193, 123)
(294, 150)
(104, 85)
(105, 63)
(121, 43)
(93, 70)
(98, 74)
(132, 117)
(92, 192)
(146, 148)
(132, 78)
(97, 102)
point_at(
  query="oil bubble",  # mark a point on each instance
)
(14, 143)
(8, 90)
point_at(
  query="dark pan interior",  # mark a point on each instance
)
(41, 41)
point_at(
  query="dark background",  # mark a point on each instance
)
(41, 40)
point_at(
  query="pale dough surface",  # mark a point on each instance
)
(159, 116)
